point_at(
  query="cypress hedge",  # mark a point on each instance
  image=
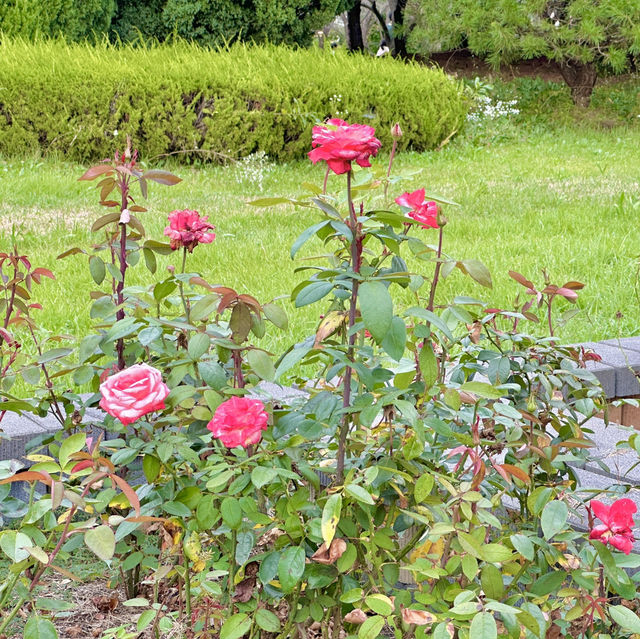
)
(81, 100)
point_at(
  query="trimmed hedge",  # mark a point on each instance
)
(198, 103)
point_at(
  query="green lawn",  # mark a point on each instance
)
(544, 199)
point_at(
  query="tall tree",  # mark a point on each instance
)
(355, 41)
(584, 36)
(216, 22)
(399, 43)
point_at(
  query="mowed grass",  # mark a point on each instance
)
(547, 200)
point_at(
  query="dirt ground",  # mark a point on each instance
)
(464, 64)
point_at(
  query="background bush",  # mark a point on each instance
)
(192, 102)
(75, 20)
(219, 22)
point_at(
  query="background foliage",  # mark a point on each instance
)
(218, 22)
(74, 20)
(74, 99)
(599, 35)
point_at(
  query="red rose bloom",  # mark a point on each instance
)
(133, 392)
(239, 422)
(186, 228)
(340, 144)
(424, 212)
(617, 522)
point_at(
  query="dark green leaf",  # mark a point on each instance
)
(548, 583)
(291, 567)
(97, 269)
(267, 621)
(554, 518)
(39, 628)
(428, 364)
(305, 236)
(261, 364)
(395, 340)
(376, 307)
(244, 546)
(235, 626)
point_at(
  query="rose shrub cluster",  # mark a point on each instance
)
(415, 479)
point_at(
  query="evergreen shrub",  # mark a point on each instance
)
(192, 102)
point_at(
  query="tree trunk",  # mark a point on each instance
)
(355, 40)
(581, 79)
(399, 48)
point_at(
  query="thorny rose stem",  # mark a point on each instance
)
(124, 189)
(356, 253)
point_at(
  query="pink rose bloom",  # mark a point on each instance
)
(186, 228)
(617, 523)
(340, 144)
(424, 212)
(239, 422)
(133, 392)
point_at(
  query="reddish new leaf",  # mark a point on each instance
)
(71, 251)
(201, 282)
(517, 472)
(521, 279)
(28, 475)
(575, 286)
(567, 293)
(226, 301)
(95, 171)
(128, 491)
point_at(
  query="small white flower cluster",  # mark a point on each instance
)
(487, 108)
(252, 169)
(336, 104)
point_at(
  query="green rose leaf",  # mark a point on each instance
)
(291, 567)
(101, 541)
(554, 518)
(376, 307)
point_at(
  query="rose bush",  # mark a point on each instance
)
(432, 446)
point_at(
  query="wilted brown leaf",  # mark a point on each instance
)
(417, 617)
(475, 331)
(244, 590)
(332, 554)
(356, 616)
(105, 604)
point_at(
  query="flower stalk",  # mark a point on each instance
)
(356, 259)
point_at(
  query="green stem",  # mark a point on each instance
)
(9, 589)
(411, 543)
(232, 565)
(517, 576)
(391, 157)
(12, 614)
(185, 302)
(436, 275)
(346, 393)
(187, 586)
(285, 634)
